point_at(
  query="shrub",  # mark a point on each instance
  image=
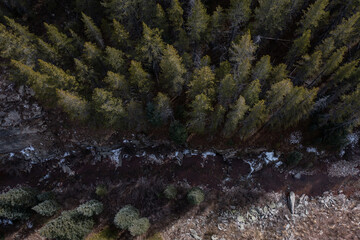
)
(69, 226)
(18, 197)
(170, 192)
(12, 214)
(45, 196)
(101, 190)
(178, 132)
(294, 158)
(195, 196)
(139, 226)
(90, 208)
(156, 236)
(47, 208)
(125, 217)
(105, 234)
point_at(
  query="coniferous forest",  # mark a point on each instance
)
(229, 68)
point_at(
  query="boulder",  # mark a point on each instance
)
(292, 202)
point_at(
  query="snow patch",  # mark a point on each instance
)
(27, 151)
(115, 156)
(5, 222)
(314, 150)
(268, 157)
(295, 137)
(206, 154)
(353, 139)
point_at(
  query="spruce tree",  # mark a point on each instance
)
(239, 14)
(217, 118)
(334, 61)
(197, 21)
(262, 69)
(251, 93)
(257, 116)
(117, 84)
(161, 21)
(309, 66)
(242, 54)
(235, 115)
(299, 47)
(115, 59)
(120, 37)
(162, 107)
(227, 90)
(276, 95)
(92, 31)
(203, 82)
(135, 116)
(72, 104)
(175, 13)
(312, 16)
(343, 32)
(62, 42)
(278, 73)
(172, 71)
(139, 78)
(200, 109)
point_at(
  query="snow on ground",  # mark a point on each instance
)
(295, 137)
(314, 150)
(206, 154)
(115, 156)
(268, 157)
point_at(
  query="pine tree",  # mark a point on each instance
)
(262, 69)
(93, 55)
(135, 116)
(297, 105)
(57, 77)
(251, 93)
(345, 71)
(203, 82)
(112, 108)
(151, 47)
(115, 59)
(92, 31)
(299, 47)
(223, 70)
(162, 107)
(217, 26)
(62, 42)
(343, 32)
(233, 118)
(334, 61)
(161, 21)
(139, 78)
(242, 55)
(256, 118)
(276, 95)
(120, 37)
(326, 47)
(86, 77)
(198, 21)
(309, 66)
(227, 90)
(200, 109)
(312, 16)
(271, 17)
(239, 14)
(172, 71)
(47, 52)
(117, 84)
(20, 30)
(75, 106)
(278, 73)
(175, 13)
(217, 118)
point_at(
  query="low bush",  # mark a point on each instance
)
(294, 158)
(125, 217)
(139, 226)
(170, 192)
(178, 132)
(101, 190)
(105, 234)
(90, 208)
(47, 208)
(195, 196)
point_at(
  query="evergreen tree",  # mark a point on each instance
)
(161, 21)
(242, 55)
(200, 109)
(115, 59)
(217, 118)
(278, 73)
(223, 70)
(343, 32)
(326, 47)
(62, 42)
(251, 93)
(334, 61)
(239, 14)
(345, 71)
(299, 47)
(312, 16)
(90, 208)
(117, 84)
(203, 82)
(175, 13)
(120, 37)
(75, 106)
(257, 116)
(217, 26)
(139, 78)
(198, 21)
(277, 93)
(262, 69)
(233, 118)
(92, 54)
(271, 17)
(47, 52)
(135, 116)
(162, 107)
(309, 66)
(86, 77)
(172, 71)
(151, 47)
(92, 31)
(227, 90)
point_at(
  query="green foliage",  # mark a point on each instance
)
(239, 12)
(278, 73)
(200, 109)
(257, 116)
(313, 15)
(90, 208)
(117, 84)
(251, 93)
(309, 66)
(126, 216)
(262, 69)
(217, 118)
(139, 78)
(203, 82)
(115, 59)
(197, 21)
(227, 90)
(175, 13)
(156, 236)
(170, 192)
(101, 190)
(277, 94)
(105, 234)
(342, 34)
(75, 106)
(120, 37)
(235, 115)
(15, 203)
(300, 46)
(139, 226)
(195, 196)
(177, 132)
(70, 225)
(172, 71)
(92, 31)
(47, 208)
(294, 158)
